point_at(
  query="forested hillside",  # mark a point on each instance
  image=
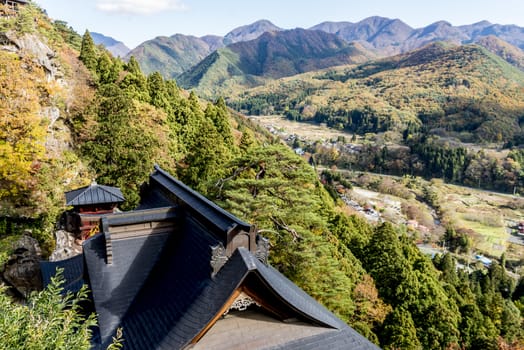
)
(122, 121)
(466, 91)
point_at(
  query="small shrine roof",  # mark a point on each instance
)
(94, 194)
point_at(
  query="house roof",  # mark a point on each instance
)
(17, 1)
(94, 194)
(154, 273)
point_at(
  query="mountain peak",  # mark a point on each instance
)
(117, 48)
(375, 20)
(250, 31)
(272, 55)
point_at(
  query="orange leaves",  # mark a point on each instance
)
(370, 308)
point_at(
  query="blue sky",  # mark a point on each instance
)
(135, 21)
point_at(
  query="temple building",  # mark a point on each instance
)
(179, 272)
(89, 204)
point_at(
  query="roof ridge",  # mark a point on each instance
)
(111, 190)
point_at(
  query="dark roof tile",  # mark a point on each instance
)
(196, 203)
(73, 272)
(94, 194)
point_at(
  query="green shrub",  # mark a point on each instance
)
(49, 320)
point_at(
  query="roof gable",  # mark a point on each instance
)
(184, 303)
(252, 329)
(94, 194)
(223, 225)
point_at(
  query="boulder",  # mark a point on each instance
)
(22, 270)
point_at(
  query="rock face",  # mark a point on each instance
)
(22, 270)
(67, 246)
(32, 45)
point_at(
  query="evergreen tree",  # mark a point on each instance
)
(105, 69)
(133, 67)
(399, 332)
(88, 54)
(129, 138)
(158, 93)
(247, 140)
(205, 159)
(134, 82)
(221, 121)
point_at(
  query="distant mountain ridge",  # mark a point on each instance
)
(250, 32)
(391, 36)
(273, 55)
(501, 48)
(117, 48)
(174, 55)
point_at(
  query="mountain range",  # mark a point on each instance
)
(273, 55)
(383, 37)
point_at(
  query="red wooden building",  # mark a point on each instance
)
(89, 204)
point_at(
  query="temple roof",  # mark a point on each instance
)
(94, 194)
(172, 277)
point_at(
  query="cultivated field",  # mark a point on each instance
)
(307, 131)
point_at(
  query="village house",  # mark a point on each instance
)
(179, 272)
(14, 4)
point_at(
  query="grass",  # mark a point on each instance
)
(491, 240)
(482, 214)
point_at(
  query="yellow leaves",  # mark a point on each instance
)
(22, 130)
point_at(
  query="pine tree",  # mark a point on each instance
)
(104, 69)
(88, 54)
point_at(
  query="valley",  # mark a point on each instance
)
(489, 219)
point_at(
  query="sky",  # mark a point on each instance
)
(136, 21)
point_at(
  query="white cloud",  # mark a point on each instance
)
(140, 7)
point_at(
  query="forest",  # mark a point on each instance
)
(122, 122)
